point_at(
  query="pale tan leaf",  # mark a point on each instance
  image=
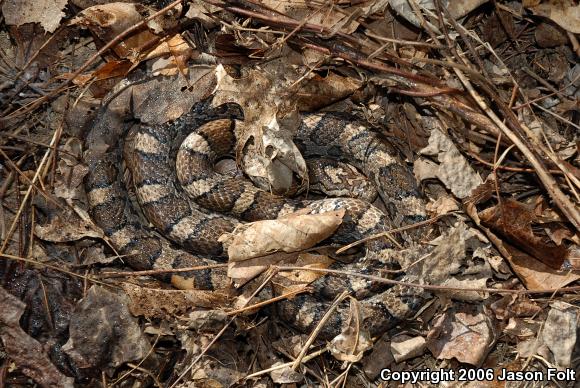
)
(269, 156)
(404, 347)
(310, 12)
(109, 20)
(453, 169)
(566, 13)
(245, 270)
(353, 340)
(308, 260)
(65, 226)
(464, 335)
(293, 233)
(46, 12)
(285, 375)
(559, 332)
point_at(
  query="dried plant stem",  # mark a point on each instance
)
(431, 287)
(560, 199)
(29, 191)
(269, 301)
(151, 272)
(53, 267)
(318, 328)
(389, 233)
(306, 358)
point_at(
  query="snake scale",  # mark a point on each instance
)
(167, 160)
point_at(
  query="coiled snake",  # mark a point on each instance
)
(166, 160)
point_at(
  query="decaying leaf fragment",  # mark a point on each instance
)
(405, 347)
(559, 332)
(448, 263)
(106, 21)
(65, 225)
(270, 157)
(24, 350)
(285, 375)
(102, 331)
(154, 303)
(309, 12)
(70, 172)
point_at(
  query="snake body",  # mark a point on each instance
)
(166, 160)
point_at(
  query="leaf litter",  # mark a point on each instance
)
(491, 131)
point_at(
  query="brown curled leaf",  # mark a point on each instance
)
(514, 221)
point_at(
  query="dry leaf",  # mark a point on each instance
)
(163, 99)
(453, 169)
(285, 375)
(318, 92)
(522, 328)
(305, 11)
(243, 271)
(200, 10)
(153, 303)
(514, 220)
(24, 350)
(269, 155)
(379, 359)
(456, 8)
(464, 335)
(405, 347)
(533, 273)
(559, 332)
(292, 233)
(103, 332)
(106, 21)
(255, 246)
(303, 277)
(353, 341)
(448, 263)
(46, 12)
(65, 225)
(70, 171)
(207, 321)
(566, 13)
(443, 205)
(174, 52)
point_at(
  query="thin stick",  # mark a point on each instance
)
(288, 364)
(387, 233)
(269, 301)
(431, 286)
(111, 274)
(53, 267)
(318, 328)
(28, 192)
